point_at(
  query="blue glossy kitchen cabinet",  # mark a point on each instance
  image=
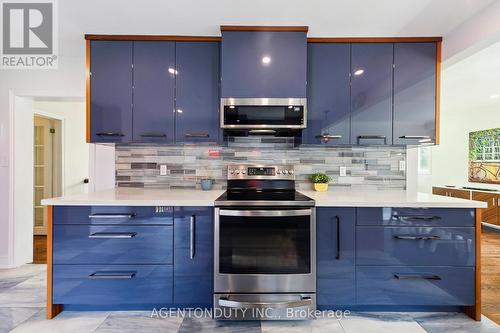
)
(414, 93)
(193, 256)
(371, 93)
(141, 286)
(415, 217)
(154, 89)
(113, 215)
(416, 246)
(111, 91)
(335, 252)
(258, 64)
(197, 91)
(328, 90)
(112, 244)
(422, 285)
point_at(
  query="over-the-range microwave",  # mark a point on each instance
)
(263, 113)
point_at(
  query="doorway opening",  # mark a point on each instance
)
(47, 168)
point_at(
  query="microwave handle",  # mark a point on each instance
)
(262, 131)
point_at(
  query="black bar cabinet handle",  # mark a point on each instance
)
(192, 235)
(417, 237)
(197, 135)
(110, 134)
(416, 217)
(328, 136)
(112, 275)
(338, 237)
(416, 137)
(406, 276)
(372, 137)
(113, 235)
(111, 216)
(154, 135)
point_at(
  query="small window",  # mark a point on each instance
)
(424, 160)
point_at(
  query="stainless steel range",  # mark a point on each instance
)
(265, 253)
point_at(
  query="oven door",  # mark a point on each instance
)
(255, 113)
(265, 250)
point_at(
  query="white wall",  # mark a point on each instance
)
(102, 167)
(75, 164)
(450, 158)
(23, 181)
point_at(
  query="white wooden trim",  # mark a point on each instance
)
(46, 95)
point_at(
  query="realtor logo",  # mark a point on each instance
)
(29, 34)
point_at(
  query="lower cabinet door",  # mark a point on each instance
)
(423, 285)
(335, 256)
(193, 256)
(112, 244)
(413, 246)
(112, 284)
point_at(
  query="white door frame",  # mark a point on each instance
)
(33, 95)
(62, 119)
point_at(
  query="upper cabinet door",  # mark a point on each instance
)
(414, 93)
(197, 91)
(328, 82)
(154, 84)
(258, 64)
(111, 91)
(371, 93)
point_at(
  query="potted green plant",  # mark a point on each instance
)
(320, 180)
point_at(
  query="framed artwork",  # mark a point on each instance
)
(484, 156)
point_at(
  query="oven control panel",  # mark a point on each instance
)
(245, 171)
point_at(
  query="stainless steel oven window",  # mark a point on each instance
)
(267, 281)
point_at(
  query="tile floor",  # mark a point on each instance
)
(22, 297)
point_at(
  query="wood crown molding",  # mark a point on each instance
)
(374, 39)
(263, 28)
(152, 38)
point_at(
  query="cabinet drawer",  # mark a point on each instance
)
(112, 285)
(415, 285)
(415, 246)
(133, 215)
(97, 244)
(437, 217)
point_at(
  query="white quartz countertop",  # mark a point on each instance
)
(138, 197)
(371, 198)
(332, 198)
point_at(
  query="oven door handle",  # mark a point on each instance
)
(265, 213)
(304, 301)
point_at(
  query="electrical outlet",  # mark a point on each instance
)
(163, 169)
(343, 171)
(402, 165)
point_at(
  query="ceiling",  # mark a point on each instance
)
(203, 17)
(473, 83)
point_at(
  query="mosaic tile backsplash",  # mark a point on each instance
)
(367, 167)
